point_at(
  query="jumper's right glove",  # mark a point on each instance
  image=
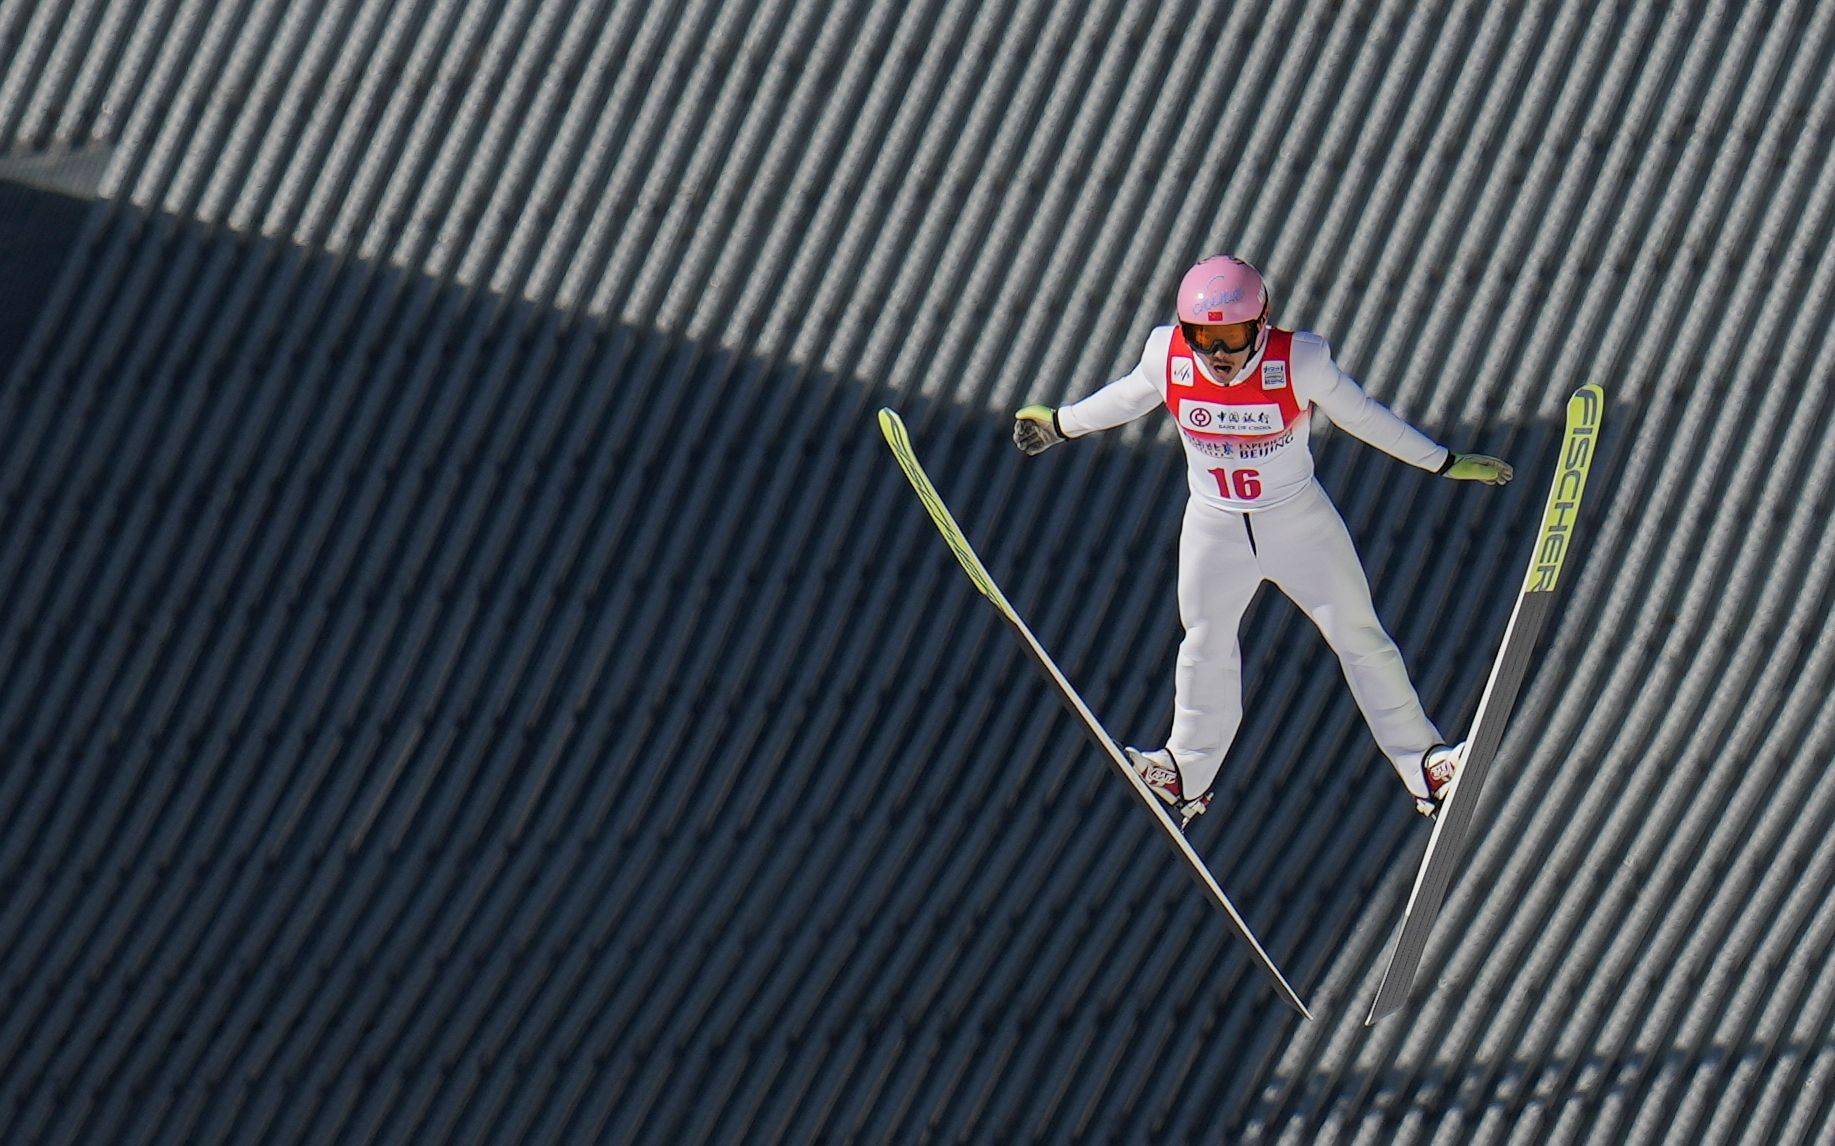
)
(1035, 429)
(1477, 467)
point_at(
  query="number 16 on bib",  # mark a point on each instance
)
(1533, 605)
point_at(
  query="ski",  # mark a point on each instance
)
(894, 429)
(1533, 605)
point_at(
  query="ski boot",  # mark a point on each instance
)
(1439, 767)
(1161, 773)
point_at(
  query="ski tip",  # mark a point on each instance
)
(1584, 406)
(890, 424)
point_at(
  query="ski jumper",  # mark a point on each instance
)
(1257, 513)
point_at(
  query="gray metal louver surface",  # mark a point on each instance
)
(470, 670)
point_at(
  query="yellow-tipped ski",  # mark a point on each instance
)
(1583, 414)
(894, 429)
(1533, 605)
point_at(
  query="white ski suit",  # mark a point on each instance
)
(1257, 513)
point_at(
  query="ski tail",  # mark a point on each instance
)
(894, 429)
(1533, 606)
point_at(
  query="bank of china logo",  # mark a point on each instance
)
(1217, 418)
(1181, 372)
(1274, 376)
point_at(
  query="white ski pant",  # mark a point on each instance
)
(1303, 547)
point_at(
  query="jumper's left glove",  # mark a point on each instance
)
(1477, 467)
(1035, 429)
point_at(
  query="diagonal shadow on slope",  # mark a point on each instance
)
(432, 713)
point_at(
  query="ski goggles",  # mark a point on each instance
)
(1234, 338)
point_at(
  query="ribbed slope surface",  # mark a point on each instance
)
(469, 668)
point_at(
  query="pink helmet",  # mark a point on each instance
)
(1222, 288)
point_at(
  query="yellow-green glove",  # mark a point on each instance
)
(1477, 467)
(1035, 429)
